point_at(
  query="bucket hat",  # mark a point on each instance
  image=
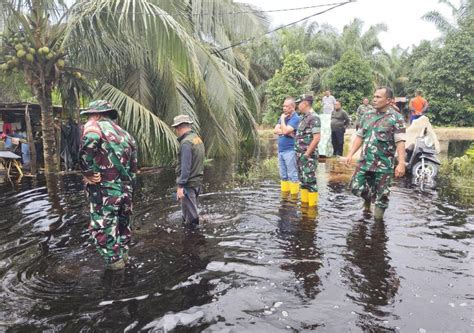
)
(181, 119)
(99, 106)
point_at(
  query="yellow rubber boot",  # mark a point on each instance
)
(312, 212)
(313, 199)
(304, 197)
(285, 186)
(294, 188)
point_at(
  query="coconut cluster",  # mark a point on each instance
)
(17, 53)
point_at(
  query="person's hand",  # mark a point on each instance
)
(180, 193)
(283, 116)
(94, 179)
(349, 160)
(400, 170)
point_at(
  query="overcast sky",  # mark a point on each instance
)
(403, 17)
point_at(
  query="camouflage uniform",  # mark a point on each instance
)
(361, 110)
(109, 150)
(309, 124)
(373, 176)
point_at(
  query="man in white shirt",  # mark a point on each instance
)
(329, 102)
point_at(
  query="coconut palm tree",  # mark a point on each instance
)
(459, 13)
(31, 44)
(328, 46)
(155, 59)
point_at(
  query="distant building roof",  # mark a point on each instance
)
(35, 107)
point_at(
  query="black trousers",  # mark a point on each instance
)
(337, 137)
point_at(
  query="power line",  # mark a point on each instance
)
(336, 5)
(205, 14)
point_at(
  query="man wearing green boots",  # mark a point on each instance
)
(286, 129)
(308, 135)
(381, 134)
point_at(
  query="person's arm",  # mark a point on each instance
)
(186, 157)
(277, 129)
(316, 131)
(285, 128)
(410, 105)
(355, 147)
(400, 138)
(314, 143)
(425, 105)
(347, 120)
(400, 169)
(134, 161)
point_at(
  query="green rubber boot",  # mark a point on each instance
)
(378, 213)
(118, 265)
(366, 206)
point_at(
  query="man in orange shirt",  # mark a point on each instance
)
(418, 106)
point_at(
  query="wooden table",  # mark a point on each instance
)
(9, 161)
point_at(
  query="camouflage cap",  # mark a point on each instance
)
(305, 98)
(99, 106)
(181, 119)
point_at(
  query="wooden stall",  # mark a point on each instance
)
(24, 119)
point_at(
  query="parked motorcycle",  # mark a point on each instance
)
(423, 165)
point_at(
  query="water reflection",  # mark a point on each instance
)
(298, 231)
(373, 281)
(259, 263)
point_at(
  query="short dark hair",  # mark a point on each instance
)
(388, 91)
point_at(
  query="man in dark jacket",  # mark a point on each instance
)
(339, 121)
(190, 168)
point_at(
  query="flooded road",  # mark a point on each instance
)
(260, 263)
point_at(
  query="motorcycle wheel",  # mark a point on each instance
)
(431, 169)
(426, 180)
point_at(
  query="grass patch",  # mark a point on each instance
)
(260, 170)
(458, 177)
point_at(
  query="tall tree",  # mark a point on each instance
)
(459, 14)
(351, 80)
(155, 59)
(32, 44)
(289, 81)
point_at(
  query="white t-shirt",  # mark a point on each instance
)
(328, 104)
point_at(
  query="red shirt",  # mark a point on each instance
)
(7, 128)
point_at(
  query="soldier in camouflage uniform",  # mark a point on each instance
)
(108, 158)
(361, 110)
(382, 133)
(306, 146)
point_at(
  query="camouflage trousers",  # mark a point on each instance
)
(110, 224)
(372, 186)
(307, 171)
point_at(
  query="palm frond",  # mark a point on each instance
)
(156, 141)
(439, 21)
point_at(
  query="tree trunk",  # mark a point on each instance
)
(50, 152)
(31, 142)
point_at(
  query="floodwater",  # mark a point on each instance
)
(260, 263)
